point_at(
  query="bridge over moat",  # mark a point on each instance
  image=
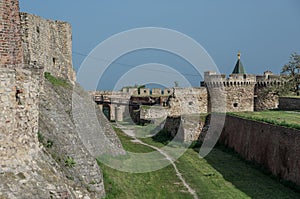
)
(117, 104)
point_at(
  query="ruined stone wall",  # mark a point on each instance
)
(289, 103)
(274, 147)
(10, 48)
(153, 112)
(188, 101)
(47, 45)
(186, 128)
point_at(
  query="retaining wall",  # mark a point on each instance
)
(274, 147)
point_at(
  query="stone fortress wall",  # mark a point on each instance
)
(289, 103)
(274, 147)
(31, 46)
(218, 93)
(18, 93)
(19, 118)
(47, 46)
(233, 94)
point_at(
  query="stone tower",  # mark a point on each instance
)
(10, 37)
(232, 94)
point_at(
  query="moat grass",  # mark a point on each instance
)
(56, 81)
(158, 184)
(222, 174)
(290, 119)
(145, 130)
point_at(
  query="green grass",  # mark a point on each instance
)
(221, 174)
(128, 145)
(158, 184)
(56, 81)
(291, 96)
(290, 119)
(145, 130)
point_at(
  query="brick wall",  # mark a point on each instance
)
(10, 39)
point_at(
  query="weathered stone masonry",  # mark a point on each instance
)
(18, 93)
(275, 147)
(31, 46)
(47, 46)
(289, 103)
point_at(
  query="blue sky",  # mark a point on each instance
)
(266, 32)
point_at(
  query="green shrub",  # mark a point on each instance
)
(56, 81)
(69, 162)
(49, 143)
(40, 137)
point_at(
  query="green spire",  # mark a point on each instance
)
(239, 68)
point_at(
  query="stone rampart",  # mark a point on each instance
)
(274, 147)
(289, 103)
(47, 45)
(19, 117)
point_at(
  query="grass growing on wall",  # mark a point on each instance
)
(219, 175)
(56, 81)
(290, 119)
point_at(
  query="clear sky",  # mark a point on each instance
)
(266, 31)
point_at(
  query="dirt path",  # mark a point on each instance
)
(130, 133)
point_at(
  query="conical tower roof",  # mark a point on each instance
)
(239, 68)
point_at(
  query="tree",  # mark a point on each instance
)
(291, 70)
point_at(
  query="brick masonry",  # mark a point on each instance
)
(10, 36)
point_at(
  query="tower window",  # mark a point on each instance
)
(235, 105)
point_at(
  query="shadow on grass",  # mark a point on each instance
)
(249, 177)
(163, 137)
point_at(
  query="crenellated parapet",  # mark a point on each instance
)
(268, 79)
(264, 97)
(211, 79)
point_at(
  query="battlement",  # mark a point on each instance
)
(268, 79)
(211, 79)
